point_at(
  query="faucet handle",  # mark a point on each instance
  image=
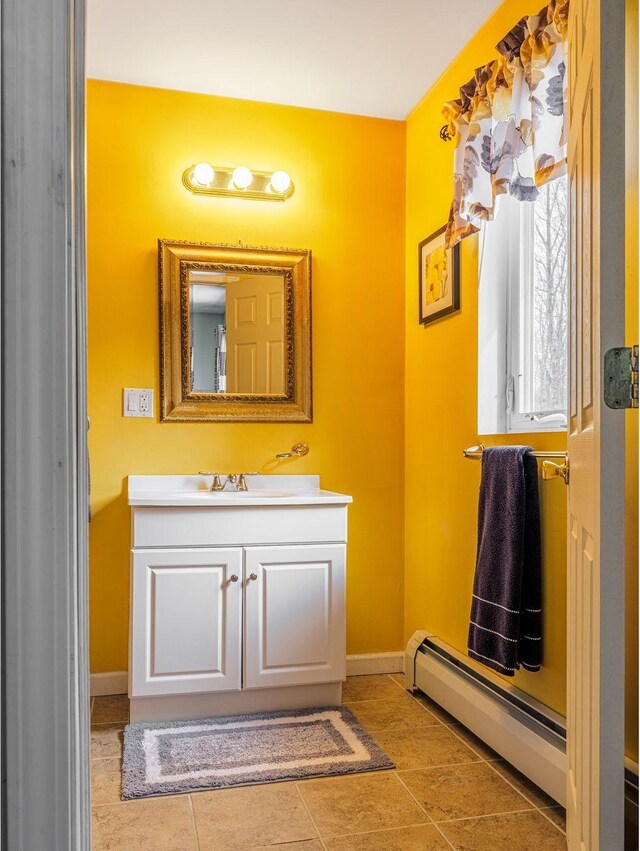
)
(242, 485)
(216, 484)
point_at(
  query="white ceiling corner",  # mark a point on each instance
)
(366, 57)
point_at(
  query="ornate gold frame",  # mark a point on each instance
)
(178, 403)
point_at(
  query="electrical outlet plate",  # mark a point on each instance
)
(137, 402)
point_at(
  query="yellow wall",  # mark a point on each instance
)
(139, 142)
(441, 488)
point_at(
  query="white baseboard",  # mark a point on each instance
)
(375, 663)
(115, 682)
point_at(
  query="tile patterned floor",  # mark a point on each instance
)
(449, 791)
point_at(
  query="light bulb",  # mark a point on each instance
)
(242, 177)
(280, 181)
(203, 174)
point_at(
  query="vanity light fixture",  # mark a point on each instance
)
(240, 182)
(242, 177)
(203, 174)
(280, 181)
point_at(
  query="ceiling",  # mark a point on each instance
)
(208, 299)
(367, 57)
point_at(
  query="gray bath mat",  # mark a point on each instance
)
(239, 750)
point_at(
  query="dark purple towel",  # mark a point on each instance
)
(506, 617)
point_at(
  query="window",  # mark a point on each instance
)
(523, 315)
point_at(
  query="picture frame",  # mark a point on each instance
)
(439, 278)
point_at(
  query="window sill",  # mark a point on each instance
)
(535, 431)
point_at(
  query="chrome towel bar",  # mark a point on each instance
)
(550, 470)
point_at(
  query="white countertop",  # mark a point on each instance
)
(262, 490)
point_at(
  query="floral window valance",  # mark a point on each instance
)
(510, 122)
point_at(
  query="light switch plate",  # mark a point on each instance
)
(137, 402)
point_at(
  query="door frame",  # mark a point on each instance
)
(44, 465)
(595, 433)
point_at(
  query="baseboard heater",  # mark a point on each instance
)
(522, 730)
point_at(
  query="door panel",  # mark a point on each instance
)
(255, 335)
(595, 627)
(187, 615)
(243, 372)
(186, 602)
(294, 615)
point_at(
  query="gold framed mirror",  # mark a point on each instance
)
(235, 333)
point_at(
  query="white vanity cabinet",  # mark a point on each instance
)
(294, 628)
(237, 600)
(186, 621)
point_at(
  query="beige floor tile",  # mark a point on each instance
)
(106, 740)
(399, 678)
(557, 815)
(374, 687)
(113, 709)
(421, 838)
(513, 832)
(106, 781)
(474, 742)
(403, 712)
(357, 804)
(329, 779)
(305, 845)
(424, 747)
(250, 817)
(525, 786)
(463, 791)
(159, 824)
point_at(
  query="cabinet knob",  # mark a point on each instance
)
(233, 577)
(253, 577)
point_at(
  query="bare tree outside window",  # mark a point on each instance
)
(550, 285)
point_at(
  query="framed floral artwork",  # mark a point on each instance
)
(439, 277)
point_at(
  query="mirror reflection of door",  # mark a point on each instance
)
(237, 333)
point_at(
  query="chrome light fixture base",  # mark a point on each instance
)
(222, 185)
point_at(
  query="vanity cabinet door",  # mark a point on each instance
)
(294, 615)
(186, 621)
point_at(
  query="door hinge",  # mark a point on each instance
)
(621, 377)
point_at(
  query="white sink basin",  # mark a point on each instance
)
(263, 493)
(262, 490)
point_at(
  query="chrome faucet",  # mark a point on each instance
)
(236, 480)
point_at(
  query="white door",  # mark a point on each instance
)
(294, 615)
(185, 621)
(595, 660)
(256, 335)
